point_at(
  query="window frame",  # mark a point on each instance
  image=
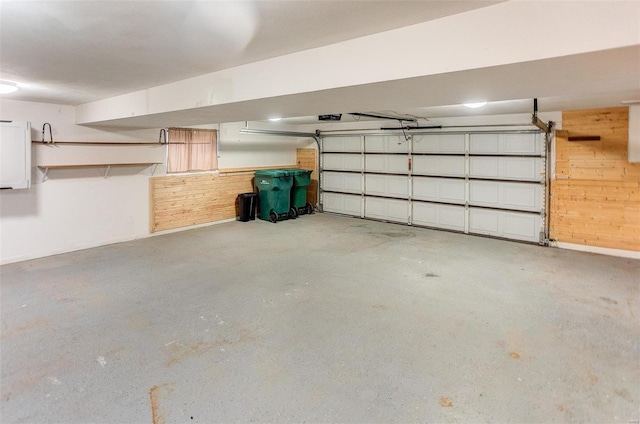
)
(188, 146)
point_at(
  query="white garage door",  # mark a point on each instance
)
(477, 183)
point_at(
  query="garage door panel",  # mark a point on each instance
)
(484, 143)
(425, 188)
(396, 164)
(507, 224)
(346, 204)
(438, 189)
(506, 144)
(386, 209)
(506, 168)
(448, 166)
(526, 227)
(522, 144)
(341, 181)
(438, 216)
(341, 162)
(496, 190)
(387, 185)
(439, 143)
(522, 168)
(385, 144)
(341, 144)
(484, 167)
(506, 195)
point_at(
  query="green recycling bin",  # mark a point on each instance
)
(274, 189)
(301, 180)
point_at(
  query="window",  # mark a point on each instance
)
(192, 149)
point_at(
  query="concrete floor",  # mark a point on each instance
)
(321, 319)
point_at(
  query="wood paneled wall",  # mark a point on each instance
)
(595, 196)
(185, 200)
(308, 159)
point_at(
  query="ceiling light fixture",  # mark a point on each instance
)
(474, 105)
(274, 119)
(7, 87)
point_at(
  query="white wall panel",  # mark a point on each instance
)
(438, 189)
(347, 204)
(385, 144)
(397, 164)
(497, 194)
(505, 144)
(341, 144)
(341, 181)
(438, 143)
(506, 168)
(446, 166)
(438, 216)
(387, 185)
(513, 225)
(386, 209)
(342, 162)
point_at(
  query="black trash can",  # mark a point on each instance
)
(247, 203)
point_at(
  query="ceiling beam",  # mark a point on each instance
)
(453, 50)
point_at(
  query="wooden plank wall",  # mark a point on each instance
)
(184, 200)
(595, 196)
(308, 159)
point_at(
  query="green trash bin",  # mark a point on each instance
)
(301, 180)
(274, 188)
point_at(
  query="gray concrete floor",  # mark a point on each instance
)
(321, 319)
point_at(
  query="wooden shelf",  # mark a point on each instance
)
(98, 143)
(107, 167)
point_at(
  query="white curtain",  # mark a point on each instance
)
(192, 149)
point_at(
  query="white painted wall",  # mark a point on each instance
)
(79, 208)
(62, 119)
(74, 209)
(239, 150)
(63, 215)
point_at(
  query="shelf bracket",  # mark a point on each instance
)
(106, 172)
(153, 169)
(45, 171)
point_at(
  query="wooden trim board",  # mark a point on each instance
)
(252, 168)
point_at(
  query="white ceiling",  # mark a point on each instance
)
(73, 52)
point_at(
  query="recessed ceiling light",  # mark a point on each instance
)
(274, 119)
(475, 105)
(7, 87)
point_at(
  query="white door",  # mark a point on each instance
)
(477, 183)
